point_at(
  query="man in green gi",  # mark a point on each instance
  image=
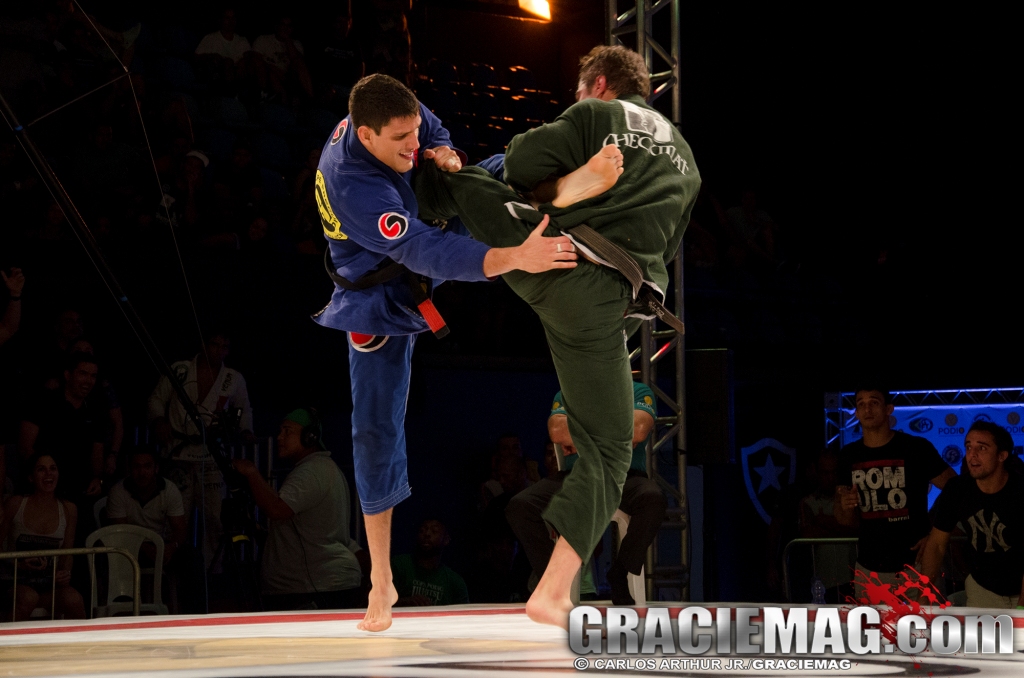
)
(644, 209)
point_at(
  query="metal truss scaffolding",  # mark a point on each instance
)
(638, 24)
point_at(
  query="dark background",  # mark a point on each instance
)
(880, 140)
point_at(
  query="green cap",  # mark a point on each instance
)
(305, 418)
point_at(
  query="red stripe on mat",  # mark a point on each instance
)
(264, 619)
(1018, 622)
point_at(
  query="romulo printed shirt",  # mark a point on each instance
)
(892, 481)
(369, 214)
(994, 524)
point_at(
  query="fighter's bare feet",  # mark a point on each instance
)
(597, 176)
(549, 607)
(378, 609)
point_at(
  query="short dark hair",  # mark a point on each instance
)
(877, 388)
(77, 358)
(137, 450)
(376, 99)
(1002, 437)
(623, 68)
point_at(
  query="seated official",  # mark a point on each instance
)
(40, 522)
(309, 561)
(421, 578)
(986, 502)
(642, 499)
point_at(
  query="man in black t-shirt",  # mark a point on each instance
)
(68, 426)
(887, 499)
(986, 502)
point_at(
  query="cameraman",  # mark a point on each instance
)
(309, 561)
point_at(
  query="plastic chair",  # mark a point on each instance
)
(97, 510)
(119, 570)
(635, 582)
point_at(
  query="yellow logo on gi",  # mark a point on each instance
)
(331, 224)
(556, 405)
(648, 400)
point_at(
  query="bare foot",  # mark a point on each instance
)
(378, 609)
(597, 176)
(547, 606)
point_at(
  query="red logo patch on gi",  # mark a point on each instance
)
(392, 225)
(339, 131)
(366, 343)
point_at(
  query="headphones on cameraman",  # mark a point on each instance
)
(313, 432)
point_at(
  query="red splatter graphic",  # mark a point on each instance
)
(915, 594)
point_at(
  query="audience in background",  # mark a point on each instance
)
(40, 521)
(9, 324)
(986, 502)
(642, 499)
(68, 425)
(237, 172)
(222, 399)
(886, 499)
(310, 560)
(11, 320)
(832, 564)
(421, 578)
(284, 61)
(147, 499)
(224, 43)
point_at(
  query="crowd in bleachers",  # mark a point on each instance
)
(236, 106)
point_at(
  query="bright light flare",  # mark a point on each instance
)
(540, 8)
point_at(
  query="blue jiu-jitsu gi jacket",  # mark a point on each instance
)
(369, 213)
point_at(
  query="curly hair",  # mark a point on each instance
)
(623, 69)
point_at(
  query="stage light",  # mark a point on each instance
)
(539, 7)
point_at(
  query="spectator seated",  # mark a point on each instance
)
(35, 522)
(420, 578)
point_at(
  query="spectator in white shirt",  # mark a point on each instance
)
(224, 42)
(148, 500)
(283, 60)
(225, 59)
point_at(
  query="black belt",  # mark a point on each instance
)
(645, 301)
(389, 270)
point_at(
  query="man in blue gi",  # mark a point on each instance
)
(384, 261)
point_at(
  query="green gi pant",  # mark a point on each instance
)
(582, 311)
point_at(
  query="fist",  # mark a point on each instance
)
(848, 497)
(15, 281)
(446, 159)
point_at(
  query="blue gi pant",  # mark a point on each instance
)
(379, 368)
